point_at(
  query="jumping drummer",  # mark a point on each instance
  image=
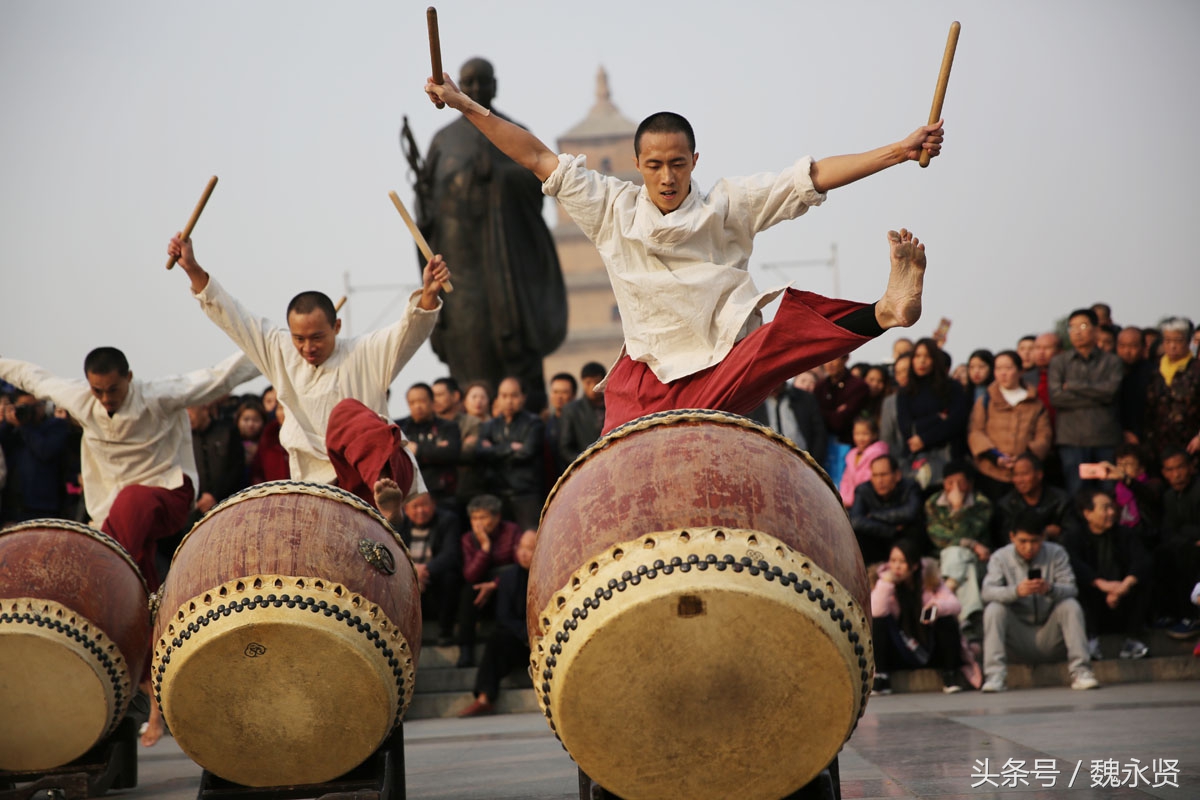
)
(139, 471)
(677, 258)
(334, 390)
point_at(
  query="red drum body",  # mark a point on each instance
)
(287, 636)
(74, 636)
(698, 611)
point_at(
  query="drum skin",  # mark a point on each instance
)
(287, 636)
(698, 611)
(74, 639)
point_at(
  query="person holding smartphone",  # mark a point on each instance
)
(915, 623)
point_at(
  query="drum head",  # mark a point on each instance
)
(702, 683)
(277, 695)
(54, 704)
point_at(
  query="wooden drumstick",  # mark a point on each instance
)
(187, 229)
(435, 48)
(338, 305)
(416, 234)
(939, 94)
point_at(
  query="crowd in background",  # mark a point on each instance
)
(1089, 446)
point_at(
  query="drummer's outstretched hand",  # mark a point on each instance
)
(181, 249)
(448, 92)
(926, 137)
(435, 275)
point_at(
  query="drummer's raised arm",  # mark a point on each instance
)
(517, 143)
(181, 249)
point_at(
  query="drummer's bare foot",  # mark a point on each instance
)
(900, 305)
(389, 499)
(153, 730)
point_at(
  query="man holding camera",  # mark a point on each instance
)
(35, 446)
(1031, 612)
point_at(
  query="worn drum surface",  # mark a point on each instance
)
(287, 635)
(697, 609)
(74, 636)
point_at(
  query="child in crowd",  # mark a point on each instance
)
(867, 448)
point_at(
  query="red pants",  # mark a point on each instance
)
(363, 447)
(803, 335)
(141, 515)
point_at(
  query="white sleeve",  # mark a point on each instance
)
(203, 385)
(586, 195)
(73, 394)
(766, 199)
(257, 336)
(387, 350)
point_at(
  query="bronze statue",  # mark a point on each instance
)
(483, 212)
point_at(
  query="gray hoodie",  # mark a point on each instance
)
(1006, 569)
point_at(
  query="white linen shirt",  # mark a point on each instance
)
(361, 368)
(148, 441)
(681, 279)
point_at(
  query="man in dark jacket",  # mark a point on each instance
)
(795, 414)
(887, 509)
(436, 443)
(582, 419)
(432, 536)
(487, 548)
(36, 450)
(1113, 571)
(1031, 494)
(510, 444)
(1177, 558)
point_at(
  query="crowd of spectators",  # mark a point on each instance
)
(1019, 504)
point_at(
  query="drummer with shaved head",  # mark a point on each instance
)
(677, 257)
(333, 389)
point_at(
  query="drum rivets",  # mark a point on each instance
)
(862, 662)
(626, 575)
(575, 611)
(812, 596)
(583, 614)
(685, 567)
(754, 571)
(652, 574)
(545, 687)
(858, 650)
(721, 566)
(642, 570)
(557, 638)
(777, 571)
(608, 594)
(737, 566)
(551, 662)
(668, 569)
(547, 674)
(598, 593)
(621, 586)
(728, 559)
(612, 583)
(693, 558)
(853, 637)
(770, 576)
(635, 580)
(711, 558)
(676, 561)
(659, 564)
(819, 593)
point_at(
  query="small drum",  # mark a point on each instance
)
(287, 635)
(698, 611)
(74, 636)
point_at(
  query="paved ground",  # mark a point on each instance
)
(907, 746)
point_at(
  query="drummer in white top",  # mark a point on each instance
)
(334, 389)
(677, 258)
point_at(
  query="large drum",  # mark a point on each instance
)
(74, 636)
(287, 635)
(697, 608)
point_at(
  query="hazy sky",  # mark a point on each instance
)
(1069, 174)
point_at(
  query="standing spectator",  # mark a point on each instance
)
(1151, 341)
(433, 537)
(250, 419)
(435, 443)
(901, 347)
(220, 461)
(1112, 568)
(1173, 399)
(271, 461)
(486, 548)
(1135, 383)
(507, 647)
(1083, 389)
(879, 387)
(1046, 347)
(563, 389)
(1031, 612)
(34, 445)
(867, 448)
(889, 417)
(472, 472)
(270, 401)
(794, 413)
(1177, 560)
(840, 396)
(932, 413)
(980, 373)
(510, 444)
(914, 621)
(1103, 312)
(959, 520)
(1008, 421)
(1106, 337)
(1031, 494)
(887, 509)
(583, 419)
(447, 399)
(1025, 346)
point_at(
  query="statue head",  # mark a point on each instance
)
(477, 79)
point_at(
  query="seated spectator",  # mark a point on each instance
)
(915, 621)
(507, 647)
(889, 418)
(1138, 496)
(1177, 559)
(436, 444)
(583, 419)
(271, 462)
(432, 535)
(879, 388)
(1006, 421)
(840, 396)
(1112, 569)
(36, 450)
(867, 448)
(510, 444)
(979, 374)
(886, 509)
(1173, 395)
(932, 413)
(1032, 614)
(958, 520)
(486, 547)
(1030, 492)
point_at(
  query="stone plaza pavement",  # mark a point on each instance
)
(924, 745)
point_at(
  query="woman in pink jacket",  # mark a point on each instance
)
(867, 448)
(916, 623)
